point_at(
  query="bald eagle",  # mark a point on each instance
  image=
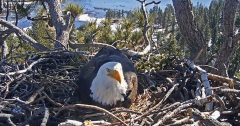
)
(108, 80)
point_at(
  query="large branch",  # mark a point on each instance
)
(126, 51)
(24, 70)
(23, 35)
(94, 44)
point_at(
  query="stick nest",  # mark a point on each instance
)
(40, 91)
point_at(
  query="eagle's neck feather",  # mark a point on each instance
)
(107, 91)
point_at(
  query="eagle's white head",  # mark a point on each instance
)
(109, 84)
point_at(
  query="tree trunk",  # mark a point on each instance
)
(188, 28)
(230, 39)
(62, 26)
(4, 49)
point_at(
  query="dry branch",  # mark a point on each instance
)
(46, 116)
(51, 101)
(33, 116)
(172, 114)
(71, 123)
(186, 120)
(7, 117)
(24, 36)
(25, 70)
(215, 77)
(159, 104)
(32, 98)
(90, 107)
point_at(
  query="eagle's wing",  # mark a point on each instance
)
(132, 91)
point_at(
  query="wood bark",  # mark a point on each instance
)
(230, 38)
(62, 26)
(1, 6)
(189, 29)
(23, 35)
(146, 25)
(4, 49)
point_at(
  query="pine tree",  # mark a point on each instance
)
(215, 11)
(39, 31)
(105, 35)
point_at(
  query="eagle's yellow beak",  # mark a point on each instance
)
(114, 74)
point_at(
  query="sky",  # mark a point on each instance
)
(165, 2)
(204, 2)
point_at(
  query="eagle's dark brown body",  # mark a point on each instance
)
(89, 72)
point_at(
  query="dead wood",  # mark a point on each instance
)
(23, 35)
(91, 107)
(42, 93)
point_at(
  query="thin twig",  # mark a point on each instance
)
(159, 104)
(172, 114)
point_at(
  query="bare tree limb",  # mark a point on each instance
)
(25, 70)
(23, 35)
(94, 44)
(153, 2)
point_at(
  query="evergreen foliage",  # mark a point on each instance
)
(17, 47)
(105, 35)
(215, 11)
(75, 9)
(39, 31)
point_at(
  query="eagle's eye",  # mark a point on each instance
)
(107, 69)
